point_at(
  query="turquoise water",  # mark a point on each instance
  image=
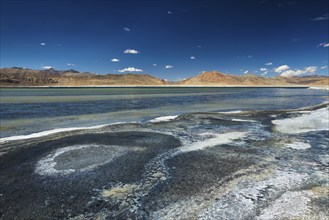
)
(29, 110)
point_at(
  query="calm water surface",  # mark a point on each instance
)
(30, 110)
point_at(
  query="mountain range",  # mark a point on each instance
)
(17, 76)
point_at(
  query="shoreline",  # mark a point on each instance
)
(160, 119)
(172, 86)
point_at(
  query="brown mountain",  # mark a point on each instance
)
(212, 78)
(219, 79)
(27, 77)
(51, 77)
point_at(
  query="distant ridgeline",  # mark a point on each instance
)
(16, 76)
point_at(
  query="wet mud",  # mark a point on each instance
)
(194, 166)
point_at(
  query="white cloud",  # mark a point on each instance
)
(245, 72)
(249, 56)
(43, 44)
(289, 73)
(154, 64)
(130, 69)
(323, 45)
(126, 29)
(170, 12)
(169, 67)
(310, 69)
(131, 51)
(192, 58)
(70, 64)
(115, 60)
(264, 71)
(47, 67)
(321, 18)
(282, 68)
(324, 67)
(269, 64)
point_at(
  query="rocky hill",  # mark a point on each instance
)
(27, 77)
(219, 79)
(51, 77)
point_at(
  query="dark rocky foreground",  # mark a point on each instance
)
(197, 166)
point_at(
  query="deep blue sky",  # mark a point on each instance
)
(229, 36)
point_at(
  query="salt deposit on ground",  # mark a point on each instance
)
(314, 121)
(298, 145)
(78, 160)
(289, 205)
(216, 140)
(164, 118)
(243, 120)
(50, 132)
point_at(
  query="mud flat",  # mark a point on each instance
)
(237, 165)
